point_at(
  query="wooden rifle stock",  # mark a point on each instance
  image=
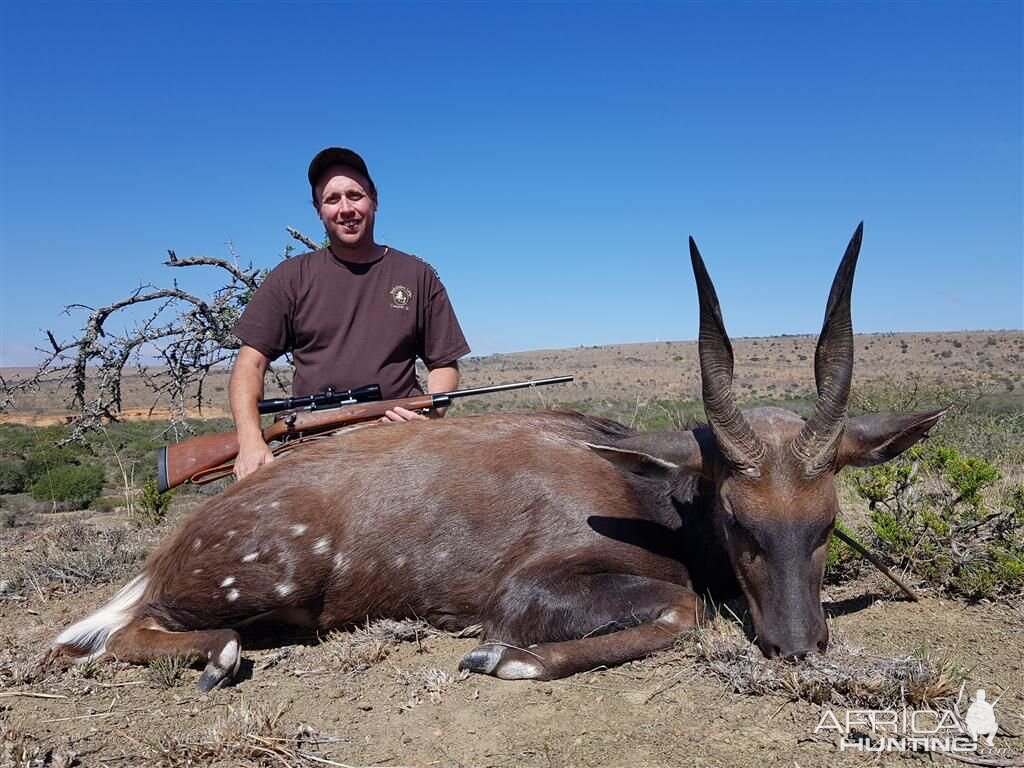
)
(179, 462)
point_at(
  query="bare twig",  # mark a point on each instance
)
(307, 241)
(871, 558)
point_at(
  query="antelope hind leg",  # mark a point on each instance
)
(145, 639)
(664, 611)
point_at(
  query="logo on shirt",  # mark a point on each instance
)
(400, 297)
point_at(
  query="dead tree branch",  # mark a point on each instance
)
(173, 346)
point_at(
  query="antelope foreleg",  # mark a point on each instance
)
(143, 640)
(678, 612)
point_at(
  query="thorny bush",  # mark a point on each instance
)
(941, 515)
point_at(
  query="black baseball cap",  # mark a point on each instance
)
(325, 158)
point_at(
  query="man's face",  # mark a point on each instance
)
(346, 207)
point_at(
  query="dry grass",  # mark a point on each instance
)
(167, 671)
(70, 557)
(847, 675)
(19, 749)
(363, 647)
(246, 735)
(426, 683)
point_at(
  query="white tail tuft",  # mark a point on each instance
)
(87, 640)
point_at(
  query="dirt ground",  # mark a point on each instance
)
(403, 704)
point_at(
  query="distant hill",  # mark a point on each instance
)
(609, 378)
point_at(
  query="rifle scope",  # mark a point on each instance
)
(326, 399)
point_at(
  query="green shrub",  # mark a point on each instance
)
(935, 512)
(13, 476)
(151, 506)
(107, 503)
(46, 455)
(69, 486)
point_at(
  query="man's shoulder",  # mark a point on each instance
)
(412, 261)
(303, 260)
(295, 267)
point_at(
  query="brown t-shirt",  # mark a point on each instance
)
(348, 324)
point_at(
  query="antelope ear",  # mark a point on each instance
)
(656, 455)
(878, 437)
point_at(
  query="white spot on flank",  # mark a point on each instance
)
(322, 545)
(197, 571)
(228, 581)
(298, 530)
(400, 562)
(442, 554)
(284, 589)
(340, 561)
(250, 557)
(231, 533)
(197, 544)
(233, 595)
(275, 504)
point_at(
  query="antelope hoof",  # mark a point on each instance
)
(222, 668)
(503, 661)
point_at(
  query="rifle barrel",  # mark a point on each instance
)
(505, 387)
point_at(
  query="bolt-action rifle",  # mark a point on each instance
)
(208, 457)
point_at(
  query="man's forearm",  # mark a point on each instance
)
(443, 379)
(246, 390)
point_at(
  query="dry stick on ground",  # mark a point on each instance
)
(863, 552)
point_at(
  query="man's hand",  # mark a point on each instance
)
(397, 415)
(442, 379)
(251, 458)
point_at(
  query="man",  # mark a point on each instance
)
(353, 313)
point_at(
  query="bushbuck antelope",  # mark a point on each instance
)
(575, 541)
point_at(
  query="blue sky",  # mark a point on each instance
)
(549, 159)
